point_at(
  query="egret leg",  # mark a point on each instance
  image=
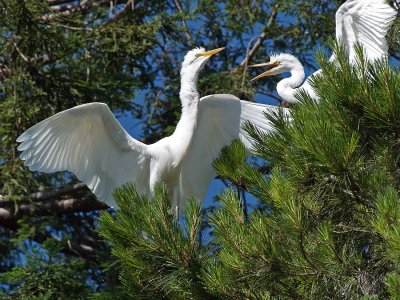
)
(154, 176)
(175, 200)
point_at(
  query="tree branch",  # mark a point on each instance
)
(63, 7)
(10, 215)
(56, 2)
(23, 56)
(47, 195)
(261, 38)
(185, 27)
(80, 250)
(6, 70)
(121, 12)
(78, 8)
(59, 192)
(70, 27)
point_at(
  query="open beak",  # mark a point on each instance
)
(267, 73)
(210, 53)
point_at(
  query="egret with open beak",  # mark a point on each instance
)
(88, 141)
(273, 71)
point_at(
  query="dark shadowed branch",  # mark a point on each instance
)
(48, 195)
(9, 215)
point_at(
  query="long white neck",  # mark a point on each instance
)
(287, 87)
(186, 126)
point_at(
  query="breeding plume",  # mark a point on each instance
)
(88, 141)
(357, 21)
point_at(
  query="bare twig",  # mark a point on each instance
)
(184, 25)
(80, 250)
(261, 37)
(70, 27)
(121, 11)
(246, 61)
(24, 57)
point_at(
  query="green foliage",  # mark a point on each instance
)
(231, 161)
(46, 277)
(393, 285)
(157, 256)
(340, 159)
(331, 225)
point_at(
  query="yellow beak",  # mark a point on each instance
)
(271, 63)
(267, 73)
(210, 53)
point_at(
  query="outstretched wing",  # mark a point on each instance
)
(365, 22)
(88, 141)
(220, 122)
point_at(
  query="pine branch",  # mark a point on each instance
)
(155, 251)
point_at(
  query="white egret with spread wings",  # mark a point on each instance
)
(357, 21)
(88, 141)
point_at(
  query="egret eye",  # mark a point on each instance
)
(197, 55)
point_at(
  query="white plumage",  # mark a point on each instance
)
(220, 121)
(357, 21)
(365, 22)
(88, 141)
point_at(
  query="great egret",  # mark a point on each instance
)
(88, 141)
(357, 21)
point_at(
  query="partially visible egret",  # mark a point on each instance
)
(357, 21)
(88, 141)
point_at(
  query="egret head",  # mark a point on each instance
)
(195, 59)
(280, 63)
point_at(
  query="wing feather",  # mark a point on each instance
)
(365, 22)
(88, 141)
(220, 121)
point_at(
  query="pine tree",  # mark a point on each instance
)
(328, 222)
